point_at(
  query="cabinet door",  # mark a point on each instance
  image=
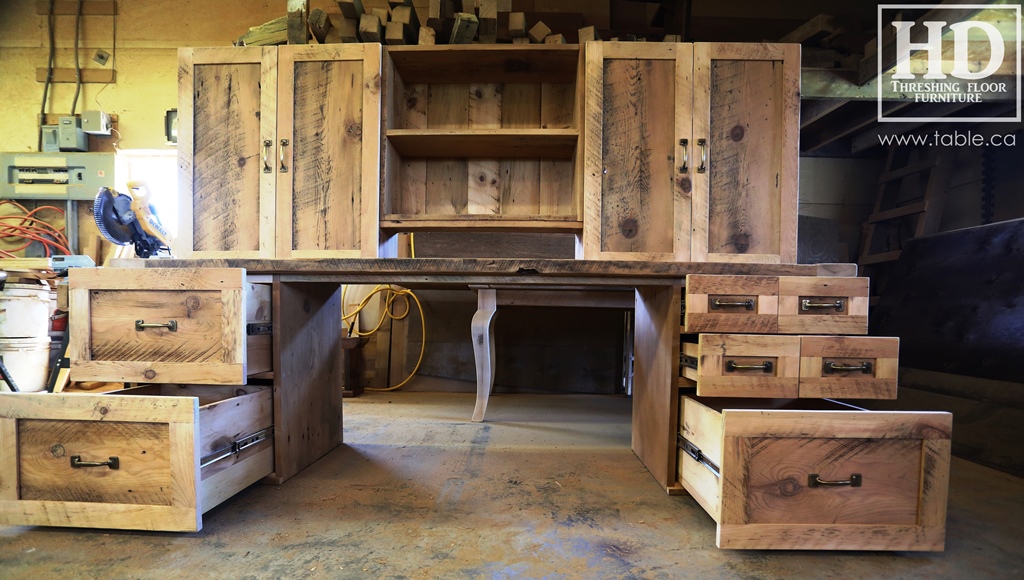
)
(637, 128)
(746, 123)
(329, 137)
(226, 164)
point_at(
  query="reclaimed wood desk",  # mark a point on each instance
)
(306, 342)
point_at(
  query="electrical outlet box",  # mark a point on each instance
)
(95, 122)
(70, 135)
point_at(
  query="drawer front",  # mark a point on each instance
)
(849, 367)
(823, 305)
(158, 325)
(731, 304)
(791, 478)
(134, 459)
(742, 365)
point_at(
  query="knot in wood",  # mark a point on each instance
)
(411, 102)
(629, 228)
(685, 185)
(789, 487)
(241, 162)
(354, 130)
(149, 374)
(192, 303)
(741, 242)
(736, 133)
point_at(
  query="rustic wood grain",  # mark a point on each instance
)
(520, 178)
(881, 352)
(656, 364)
(702, 291)
(637, 189)
(853, 319)
(413, 115)
(226, 196)
(447, 179)
(716, 350)
(307, 375)
(557, 110)
(485, 108)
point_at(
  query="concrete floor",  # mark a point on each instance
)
(547, 488)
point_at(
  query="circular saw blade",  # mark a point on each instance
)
(107, 220)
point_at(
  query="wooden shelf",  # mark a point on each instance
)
(463, 222)
(498, 63)
(485, 143)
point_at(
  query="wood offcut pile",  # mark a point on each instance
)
(427, 22)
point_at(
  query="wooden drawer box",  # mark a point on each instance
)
(816, 475)
(823, 305)
(788, 367)
(731, 304)
(180, 450)
(166, 325)
(775, 304)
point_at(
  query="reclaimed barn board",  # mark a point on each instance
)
(557, 107)
(637, 116)
(520, 178)
(328, 173)
(484, 185)
(227, 99)
(746, 112)
(447, 179)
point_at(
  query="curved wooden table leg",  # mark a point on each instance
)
(483, 349)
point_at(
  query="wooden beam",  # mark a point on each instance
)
(67, 75)
(465, 28)
(517, 25)
(70, 7)
(370, 29)
(869, 66)
(812, 31)
(298, 27)
(266, 34)
(394, 34)
(426, 37)
(837, 84)
(539, 32)
(811, 111)
(320, 25)
(351, 8)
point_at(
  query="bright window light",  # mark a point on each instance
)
(158, 169)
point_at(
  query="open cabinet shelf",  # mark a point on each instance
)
(484, 143)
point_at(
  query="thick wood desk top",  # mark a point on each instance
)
(491, 271)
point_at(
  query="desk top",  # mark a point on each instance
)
(491, 271)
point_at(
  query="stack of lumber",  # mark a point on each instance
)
(427, 22)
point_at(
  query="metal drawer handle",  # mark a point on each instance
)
(806, 304)
(831, 367)
(814, 481)
(703, 143)
(765, 367)
(142, 325)
(112, 463)
(748, 304)
(267, 143)
(685, 144)
(283, 168)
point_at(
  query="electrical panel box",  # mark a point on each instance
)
(95, 123)
(70, 134)
(50, 139)
(57, 176)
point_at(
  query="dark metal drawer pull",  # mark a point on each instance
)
(748, 304)
(814, 481)
(141, 325)
(112, 463)
(806, 304)
(831, 367)
(766, 367)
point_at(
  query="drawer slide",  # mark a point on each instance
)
(237, 447)
(694, 452)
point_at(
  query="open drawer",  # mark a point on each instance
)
(816, 475)
(151, 458)
(168, 325)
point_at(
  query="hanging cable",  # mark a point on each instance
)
(49, 71)
(30, 228)
(78, 65)
(387, 311)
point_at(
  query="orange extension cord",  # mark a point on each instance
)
(31, 229)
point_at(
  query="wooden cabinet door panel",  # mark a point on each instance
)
(329, 134)
(226, 119)
(746, 131)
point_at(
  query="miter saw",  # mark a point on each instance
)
(129, 218)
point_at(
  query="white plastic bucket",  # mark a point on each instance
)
(28, 361)
(24, 311)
